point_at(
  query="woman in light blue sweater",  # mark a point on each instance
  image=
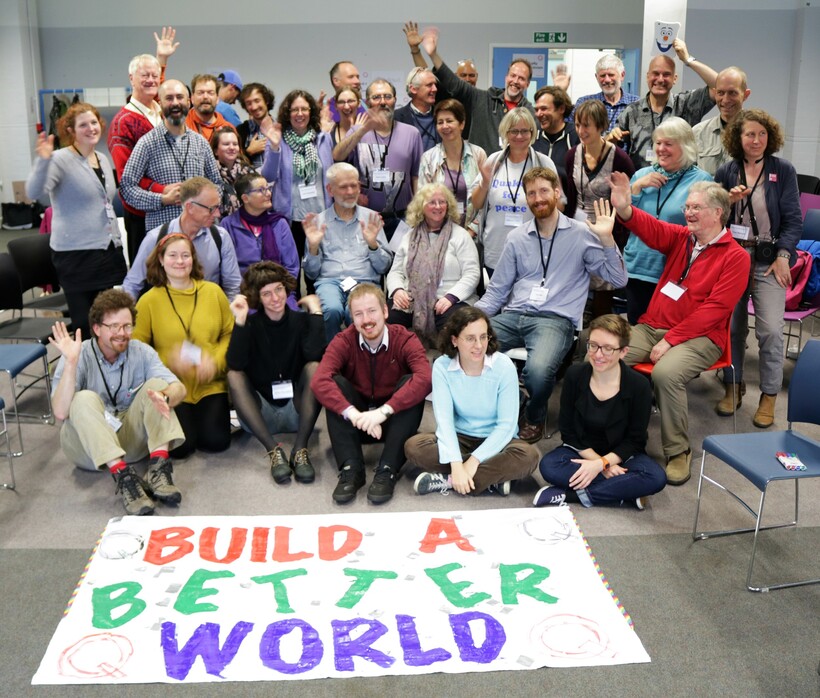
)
(86, 246)
(475, 400)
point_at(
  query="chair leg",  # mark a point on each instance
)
(47, 418)
(6, 485)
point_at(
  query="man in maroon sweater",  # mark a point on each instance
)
(372, 382)
(684, 329)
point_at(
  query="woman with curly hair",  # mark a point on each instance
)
(767, 221)
(475, 401)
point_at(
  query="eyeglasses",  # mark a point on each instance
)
(592, 348)
(300, 110)
(261, 190)
(472, 339)
(380, 98)
(210, 209)
(694, 209)
(117, 327)
(519, 132)
(345, 102)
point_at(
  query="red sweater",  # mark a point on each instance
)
(714, 285)
(345, 357)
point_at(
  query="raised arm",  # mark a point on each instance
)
(707, 74)
(411, 33)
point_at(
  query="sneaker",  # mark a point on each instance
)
(531, 433)
(640, 503)
(550, 496)
(432, 482)
(159, 483)
(502, 488)
(279, 466)
(134, 499)
(381, 489)
(351, 480)
(302, 467)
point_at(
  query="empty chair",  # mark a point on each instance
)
(32, 259)
(754, 457)
(808, 184)
(11, 298)
(7, 454)
(14, 359)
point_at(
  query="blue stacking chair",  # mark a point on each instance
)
(753, 457)
(14, 359)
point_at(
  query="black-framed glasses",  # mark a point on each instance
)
(117, 327)
(592, 348)
(210, 209)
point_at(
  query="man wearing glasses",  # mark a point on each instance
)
(386, 153)
(167, 155)
(199, 203)
(116, 400)
(684, 329)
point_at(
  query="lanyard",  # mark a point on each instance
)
(112, 398)
(176, 312)
(433, 136)
(514, 197)
(383, 155)
(694, 256)
(748, 203)
(660, 204)
(454, 184)
(172, 147)
(98, 170)
(541, 249)
(584, 168)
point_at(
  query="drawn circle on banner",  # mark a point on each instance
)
(547, 529)
(96, 656)
(569, 636)
(120, 545)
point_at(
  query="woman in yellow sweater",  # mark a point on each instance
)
(189, 322)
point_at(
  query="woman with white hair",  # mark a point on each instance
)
(660, 189)
(501, 192)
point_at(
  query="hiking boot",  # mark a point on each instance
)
(550, 496)
(134, 499)
(678, 468)
(432, 482)
(351, 480)
(279, 466)
(724, 407)
(381, 489)
(764, 417)
(159, 484)
(531, 433)
(302, 467)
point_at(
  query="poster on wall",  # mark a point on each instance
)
(215, 599)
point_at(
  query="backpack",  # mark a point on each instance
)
(801, 271)
(813, 286)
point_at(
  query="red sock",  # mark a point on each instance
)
(119, 465)
(159, 453)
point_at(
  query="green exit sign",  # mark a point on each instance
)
(550, 38)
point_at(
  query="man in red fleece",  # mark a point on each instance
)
(372, 382)
(684, 329)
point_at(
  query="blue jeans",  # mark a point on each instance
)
(547, 340)
(643, 477)
(334, 305)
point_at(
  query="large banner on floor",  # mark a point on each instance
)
(187, 599)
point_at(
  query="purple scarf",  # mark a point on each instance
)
(266, 221)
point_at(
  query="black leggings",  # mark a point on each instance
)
(206, 424)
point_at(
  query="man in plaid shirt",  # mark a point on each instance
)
(167, 155)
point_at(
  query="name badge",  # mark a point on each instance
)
(460, 208)
(307, 191)
(282, 390)
(348, 283)
(513, 219)
(739, 232)
(112, 421)
(672, 290)
(539, 294)
(109, 211)
(650, 155)
(381, 176)
(191, 353)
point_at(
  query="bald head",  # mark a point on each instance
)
(660, 77)
(730, 92)
(173, 98)
(467, 71)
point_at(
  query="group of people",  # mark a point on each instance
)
(485, 240)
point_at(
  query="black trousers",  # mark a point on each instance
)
(207, 425)
(347, 440)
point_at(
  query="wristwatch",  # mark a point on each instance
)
(386, 411)
(690, 60)
(784, 254)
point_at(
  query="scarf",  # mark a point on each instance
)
(424, 269)
(305, 155)
(671, 175)
(267, 221)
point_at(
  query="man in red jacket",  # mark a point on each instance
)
(372, 382)
(684, 329)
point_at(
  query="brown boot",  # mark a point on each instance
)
(724, 407)
(678, 468)
(764, 417)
